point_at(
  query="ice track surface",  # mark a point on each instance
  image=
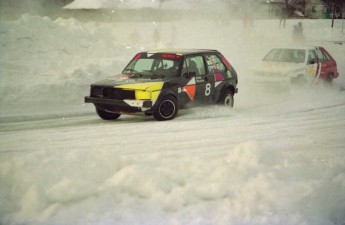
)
(280, 163)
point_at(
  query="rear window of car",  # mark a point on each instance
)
(286, 55)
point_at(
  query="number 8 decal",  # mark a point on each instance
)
(208, 89)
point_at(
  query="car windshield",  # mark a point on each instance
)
(154, 65)
(286, 55)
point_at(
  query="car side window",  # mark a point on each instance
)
(215, 64)
(311, 57)
(165, 67)
(196, 64)
(320, 55)
(327, 57)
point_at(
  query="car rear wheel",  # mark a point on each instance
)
(107, 115)
(329, 79)
(167, 109)
(227, 99)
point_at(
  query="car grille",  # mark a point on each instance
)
(112, 93)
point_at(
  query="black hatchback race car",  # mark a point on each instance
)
(160, 82)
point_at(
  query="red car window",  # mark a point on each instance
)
(327, 56)
(320, 56)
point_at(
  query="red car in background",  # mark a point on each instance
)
(327, 64)
(297, 65)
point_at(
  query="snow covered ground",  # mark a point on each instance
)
(277, 158)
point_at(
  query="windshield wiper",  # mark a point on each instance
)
(130, 71)
(133, 72)
(158, 75)
(155, 74)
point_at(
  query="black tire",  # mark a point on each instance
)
(167, 109)
(227, 99)
(299, 81)
(329, 80)
(107, 115)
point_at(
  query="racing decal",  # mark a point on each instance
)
(138, 104)
(218, 76)
(190, 89)
(208, 89)
(149, 86)
(128, 79)
(217, 83)
(311, 70)
(148, 91)
(215, 66)
(143, 95)
(199, 79)
(171, 56)
(154, 95)
(133, 103)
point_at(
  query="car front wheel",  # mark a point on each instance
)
(227, 99)
(167, 109)
(299, 80)
(107, 115)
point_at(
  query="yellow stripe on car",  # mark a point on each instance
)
(144, 91)
(149, 86)
(142, 95)
(147, 95)
(155, 95)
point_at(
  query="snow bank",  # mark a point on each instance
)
(54, 62)
(246, 184)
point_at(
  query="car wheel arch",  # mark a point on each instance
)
(165, 93)
(226, 98)
(224, 89)
(169, 102)
(330, 77)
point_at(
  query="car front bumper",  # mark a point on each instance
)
(126, 105)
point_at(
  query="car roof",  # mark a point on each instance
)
(182, 51)
(297, 47)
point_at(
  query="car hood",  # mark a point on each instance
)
(133, 82)
(279, 68)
